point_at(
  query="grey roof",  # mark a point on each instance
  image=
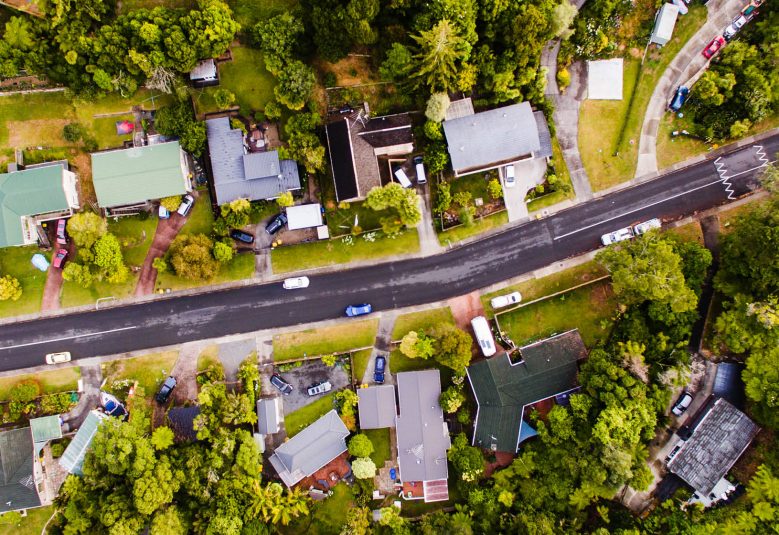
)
(46, 428)
(72, 459)
(728, 383)
(269, 415)
(715, 445)
(423, 436)
(503, 388)
(204, 70)
(311, 449)
(17, 488)
(664, 24)
(376, 405)
(544, 137)
(492, 138)
(460, 108)
(240, 175)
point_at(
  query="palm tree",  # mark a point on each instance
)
(269, 503)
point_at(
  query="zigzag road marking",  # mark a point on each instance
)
(722, 171)
(761, 155)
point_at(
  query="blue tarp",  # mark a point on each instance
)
(40, 262)
(526, 432)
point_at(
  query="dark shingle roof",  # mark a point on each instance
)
(728, 383)
(339, 144)
(17, 488)
(182, 421)
(715, 445)
(502, 388)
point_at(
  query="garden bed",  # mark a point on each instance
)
(469, 193)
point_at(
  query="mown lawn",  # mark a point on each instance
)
(335, 339)
(382, 450)
(689, 232)
(342, 251)
(50, 382)
(297, 420)
(479, 226)
(201, 217)
(566, 188)
(15, 261)
(104, 130)
(360, 361)
(420, 321)
(149, 370)
(326, 517)
(590, 309)
(398, 362)
(32, 524)
(341, 220)
(208, 357)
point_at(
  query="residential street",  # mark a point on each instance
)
(461, 270)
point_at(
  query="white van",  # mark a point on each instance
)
(481, 329)
(420, 168)
(402, 178)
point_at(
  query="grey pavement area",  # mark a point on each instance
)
(231, 354)
(382, 347)
(428, 240)
(314, 371)
(91, 381)
(528, 174)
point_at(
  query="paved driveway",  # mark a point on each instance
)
(529, 174)
(308, 374)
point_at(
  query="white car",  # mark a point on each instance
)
(505, 300)
(617, 236)
(682, 404)
(186, 205)
(731, 31)
(296, 283)
(646, 226)
(508, 176)
(58, 358)
(319, 388)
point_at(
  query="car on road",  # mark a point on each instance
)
(241, 236)
(358, 310)
(680, 97)
(276, 223)
(731, 31)
(163, 394)
(59, 258)
(58, 358)
(62, 234)
(505, 300)
(682, 404)
(716, 44)
(617, 236)
(646, 226)
(508, 176)
(295, 283)
(186, 205)
(378, 369)
(281, 385)
(319, 388)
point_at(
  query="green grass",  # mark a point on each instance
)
(208, 357)
(689, 232)
(335, 339)
(15, 261)
(360, 361)
(149, 370)
(32, 524)
(400, 363)
(382, 450)
(201, 218)
(50, 382)
(479, 226)
(420, 321)
(297, 420)
(249, 12)
(561, 170)
(337, 251)
(326, 518)
(341, 220)
(104, 130)
(587, 309)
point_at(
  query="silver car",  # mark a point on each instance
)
(646, 226)
(319, 388)
(617, 236)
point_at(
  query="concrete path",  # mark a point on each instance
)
(688, 65)
(91, 381)
(185, 371)
(382, 347)
(167, 230)
(428, 240)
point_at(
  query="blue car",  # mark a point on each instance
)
(358, 310)
(679, 98)
(378, 369)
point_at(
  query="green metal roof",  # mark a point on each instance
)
(138, 174)
(502, 388)
(45, 428)
(72, 459)
(26, 193)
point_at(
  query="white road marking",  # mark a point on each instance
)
(70, 337)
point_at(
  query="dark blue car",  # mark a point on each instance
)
(378, 369)
(358, 310)
(679, 98)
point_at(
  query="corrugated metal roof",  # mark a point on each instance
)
(204, 70)
(17, 488)
(46, 428)
(376, 406)
(72, 459)
(544, 136)
(341, 163)
(269, 415)
(304, 216)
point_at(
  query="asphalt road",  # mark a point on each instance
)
(398, 284)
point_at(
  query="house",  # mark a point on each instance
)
(182, 422)
(423, 437)
(665, 20)
(376, 407)
(604, 79)
(20, 471)
(240, 174)
(720, 435)
(127, 181)
(72, 459)
(32, 196)
(507, 390)
(311, 449)
(362, 150)
(491, 139)
(204, 74)
(269, 415)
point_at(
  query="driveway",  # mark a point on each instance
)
(528, 175)
(308, 374)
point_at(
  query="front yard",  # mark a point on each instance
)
(15, 261)
(326, 340)
(421, 321)
(149, 370)
(300, 419)
(50, 382)
(564, 189)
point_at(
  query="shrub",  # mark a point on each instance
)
(329, 79)
(451, 399)
(363, 468)
(237, 124)
(495, 189)
(223, 98)
(72, 132)
(191, 258)
(223, 252)
(563, 79)
(360, 446)
(56, 403)
(330, 360)
(10, 288)
(171, 203)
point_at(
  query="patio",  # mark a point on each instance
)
(329, 475)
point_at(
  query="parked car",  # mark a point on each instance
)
(166, 390)
(679, 99)
(378, 369)
(508, 176)
(505, 300)
(59, 258)
(420, 170)
(241, 236)
(750, 11)
(276, 223)
(281, 385)
(62, 234)
(186, 205)
(646, 226)
(682, 404)
(163, 213)
(359, 310)
(731, 31)
(617, 236)
(58, 358)
(714, 47)
(319, 388)
(296, 283)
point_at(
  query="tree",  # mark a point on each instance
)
(466, 459)
(437, 105)
(108, 259)
(363, 468)
(271, 504)
(224, 98)
(169, 522)
(178, 120)
(223, 252)
(495, 189)
(10, 289)
(162, 438)
(78, 273)
(358, 522)
(72, 132)
(416, 345)
(160, 264)
(171, 204)
(404, 202)
(19, 33)
(278, 37)
(440, 56)
(305, 147)
(285, 200)
(452, 399)
(398, 64)
(191, 258)
(761, 378)
(563, 16)
(360, 446)
(452, 346)
(85, 228)
(295, 84)
(443, 198)
(390, 517)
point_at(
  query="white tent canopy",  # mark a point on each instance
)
(304, 216)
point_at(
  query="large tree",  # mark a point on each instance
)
(440, 55)
(191, 257)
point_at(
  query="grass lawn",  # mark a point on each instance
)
(201, 218)
(326, 517)
(360, 363)
(104, 129)
(339, 251)
(401, 363)
(561, 170)
(689, 232)
(335, 339)
(15, 261)
(420, 321)
(149, 370)
(208, 357)
(480, 225)
(588, 309)
(50, 382)
(556, 282)
(32, 524)
(729, 216)
(381, 445)
(305, 416)
(341, 220)
(249, 12)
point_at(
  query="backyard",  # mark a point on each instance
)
(327, 516)
(326, 340)
(15, 261)
(31, 524)
(382, 450)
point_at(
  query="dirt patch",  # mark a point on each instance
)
(464, 309)
(81, 164)
(351, 70)
(601, 295)
(36, 132)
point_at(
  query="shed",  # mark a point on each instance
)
(304, 216)
(604, 79)
(73, 458)
(45, 428)
(269, 415)
(665, 20)
(376, 406)
(204, 74)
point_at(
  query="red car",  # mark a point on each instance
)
(59, 258)
(714, 47)
(62, 236)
